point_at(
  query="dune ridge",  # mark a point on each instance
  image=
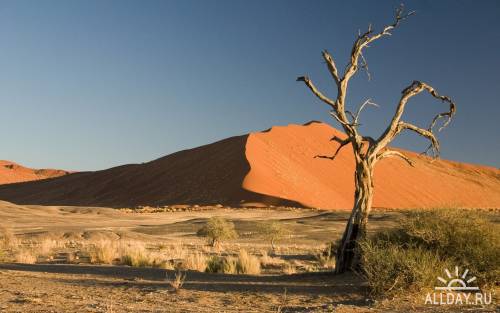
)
(273, 167)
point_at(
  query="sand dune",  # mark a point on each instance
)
(11, 172)
(274, 167)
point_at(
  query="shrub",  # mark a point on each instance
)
(217, 229)
(390, 268)
(217, 264)
(427, 242)
(273, 231)
(465, 237)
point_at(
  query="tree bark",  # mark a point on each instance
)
(346, 256)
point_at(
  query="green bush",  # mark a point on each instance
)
(273, 231)
(424, 244)
(223, 265)
(390, 268)
(217, 229)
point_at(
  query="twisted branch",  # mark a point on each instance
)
(316, 92)
(424, 133)
(394, 153)
(396, 125)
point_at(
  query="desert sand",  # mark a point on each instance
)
(273, 167)
(59, 285)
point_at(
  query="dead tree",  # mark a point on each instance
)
(367, 150)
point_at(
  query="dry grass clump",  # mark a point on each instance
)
(137, 255)
(132, 253)
(217, 229)
(267, 260)
(32, 249)
(174, 251)
(289, 269)
(247, 263)
(25, 255)
(46, 245)
(178, 281)
(244, 263)
(7, 238)
(104, 251)
(195, 261)
(411, 256)
(326, 258)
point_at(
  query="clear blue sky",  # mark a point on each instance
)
(87, 85)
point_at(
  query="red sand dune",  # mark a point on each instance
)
(11, 172)
(274, 167)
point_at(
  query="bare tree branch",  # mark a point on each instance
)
(367, 102)
(394, 153)
(424, 133)
(316, 92)
(331, 66)
(364, 65)
(396, 125)
(368, 37)
(344, 122)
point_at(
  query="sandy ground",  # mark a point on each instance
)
(107, 288)
(145, 290)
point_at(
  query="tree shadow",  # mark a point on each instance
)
(325, 283)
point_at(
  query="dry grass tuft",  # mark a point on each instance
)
(178, 281)
(136, 254)
(289, 269)
(195, 261)
(326, 258)
(26, 255)
(247, 263)
(7, 238)
(47, 245)
(244, 263)
(104, 251)
(267, 260)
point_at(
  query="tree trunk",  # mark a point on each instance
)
(346, 257)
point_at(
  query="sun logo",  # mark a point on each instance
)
(456, 282)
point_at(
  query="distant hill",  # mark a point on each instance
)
(11, 172)
(273, 167)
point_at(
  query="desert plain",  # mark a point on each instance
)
(294, 276)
